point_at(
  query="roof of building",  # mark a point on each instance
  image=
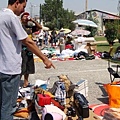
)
(110, 13)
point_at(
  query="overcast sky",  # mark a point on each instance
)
(77, 6)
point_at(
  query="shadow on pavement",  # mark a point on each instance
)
(104, 99)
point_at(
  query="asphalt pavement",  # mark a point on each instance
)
(94, 71)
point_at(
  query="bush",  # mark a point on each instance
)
(111, 32)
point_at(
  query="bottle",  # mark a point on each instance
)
(28, 17)
(52, 104)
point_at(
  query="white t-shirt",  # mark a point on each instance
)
(11, 34)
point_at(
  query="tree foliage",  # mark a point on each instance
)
(55, 16)
(111, 31)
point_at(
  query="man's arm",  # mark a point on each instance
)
(36, 24)
(33, 48)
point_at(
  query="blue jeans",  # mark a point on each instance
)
(9, 87)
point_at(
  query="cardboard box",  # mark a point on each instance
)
(82, 87)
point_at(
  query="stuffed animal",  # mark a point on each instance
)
(66, 81)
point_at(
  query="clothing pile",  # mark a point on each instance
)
(39, 97)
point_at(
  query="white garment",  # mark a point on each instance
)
(11, 34)
(41, 34)
(80, 39)
(80, 44)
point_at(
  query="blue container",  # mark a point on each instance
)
(44, 86)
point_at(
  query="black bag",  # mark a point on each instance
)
(81, 105)
(105, 55)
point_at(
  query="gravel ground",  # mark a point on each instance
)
(94, 71)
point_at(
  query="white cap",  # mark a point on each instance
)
(69, 36)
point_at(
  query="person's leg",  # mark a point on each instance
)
(26, 76)
(16, 84)
(30, 69)
(24, 67)
(9, 86)
(46, 41)
(55, 41)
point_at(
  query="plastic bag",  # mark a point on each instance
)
(113, 90)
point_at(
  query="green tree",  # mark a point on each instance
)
(111, 32)
(55, 16)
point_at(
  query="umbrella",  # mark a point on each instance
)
(45, 28)
(65, 30)
(85, 22)
(80, 32)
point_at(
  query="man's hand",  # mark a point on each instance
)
(48, 63)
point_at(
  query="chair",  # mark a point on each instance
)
(114, 73)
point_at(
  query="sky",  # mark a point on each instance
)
(77, 6)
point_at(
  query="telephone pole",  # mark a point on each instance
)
(86, 5)
(118, 7)
(86, 8)
(40, 13)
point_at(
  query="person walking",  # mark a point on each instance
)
(53, 37)
(12, 35)
(28, 67)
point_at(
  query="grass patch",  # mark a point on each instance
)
(105, 47)
(101, 47)
(100, 38)
(115, 61)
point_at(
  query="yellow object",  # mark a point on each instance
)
(37, 60)
(42, 91)
(30, 36)
(23, 113)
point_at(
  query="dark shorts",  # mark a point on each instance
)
(28, 66)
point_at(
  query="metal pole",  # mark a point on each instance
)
(40, 13)
(57, 15)
(118, 7)
(86, 5)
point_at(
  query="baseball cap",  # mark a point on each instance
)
(24, 13)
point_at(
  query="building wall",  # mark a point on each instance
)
(98, 17)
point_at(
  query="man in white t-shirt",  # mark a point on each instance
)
(12, 35)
